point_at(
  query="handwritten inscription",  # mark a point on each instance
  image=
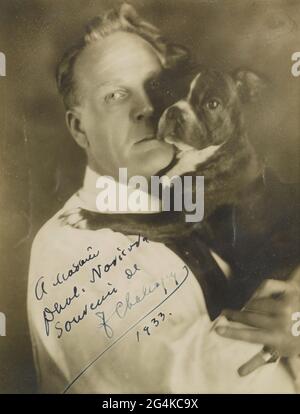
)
(129, 306)
(57, 308)
(122, 307)
(63, 277)
(50, 314)
(154, 323)
(117, 259)
(119, 310)
(109, 294)
(97, 271)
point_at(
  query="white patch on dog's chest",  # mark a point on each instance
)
(190, 159)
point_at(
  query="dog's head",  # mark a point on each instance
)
(211, 113)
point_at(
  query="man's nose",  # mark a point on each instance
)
(143, 109)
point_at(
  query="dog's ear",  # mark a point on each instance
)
(249, 85)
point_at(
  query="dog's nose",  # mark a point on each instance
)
(175, 114)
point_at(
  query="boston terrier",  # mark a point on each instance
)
(252, 219)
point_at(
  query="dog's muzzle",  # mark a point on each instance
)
(172, 119)
(174, 114)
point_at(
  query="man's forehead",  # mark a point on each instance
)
(118, 56)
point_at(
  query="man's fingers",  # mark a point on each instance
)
(270, 288)
(255, 336)
(263, 305)
(257, 320)
(250, 366)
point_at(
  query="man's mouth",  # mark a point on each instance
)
(170, 138)
(179, 145)
(145, 139)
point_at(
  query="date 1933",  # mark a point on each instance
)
(154, 323)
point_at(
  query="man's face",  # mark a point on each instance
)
(116, 113)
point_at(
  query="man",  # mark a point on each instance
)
(112, 313)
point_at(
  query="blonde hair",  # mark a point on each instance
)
(125, 19)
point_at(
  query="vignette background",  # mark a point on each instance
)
(40, 165)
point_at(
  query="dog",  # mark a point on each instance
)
(207, 128)
(252, 218)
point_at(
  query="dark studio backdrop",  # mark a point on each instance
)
(41, 166)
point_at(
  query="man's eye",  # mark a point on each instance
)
(213, 104)
(115, 96)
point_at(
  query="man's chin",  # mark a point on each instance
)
(154, 159)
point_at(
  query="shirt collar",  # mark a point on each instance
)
(89, 192)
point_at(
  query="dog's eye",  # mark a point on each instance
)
(212, 104)
(154, 84)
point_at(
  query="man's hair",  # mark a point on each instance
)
(125, 19)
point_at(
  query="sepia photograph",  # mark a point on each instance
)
(149, 198)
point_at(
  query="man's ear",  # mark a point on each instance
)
(249, 85)
(74, 124)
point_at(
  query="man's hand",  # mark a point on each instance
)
(268, 320)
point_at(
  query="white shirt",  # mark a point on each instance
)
(142, 324)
